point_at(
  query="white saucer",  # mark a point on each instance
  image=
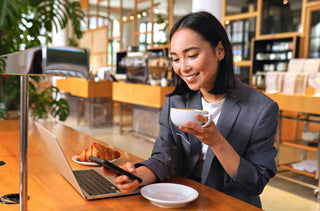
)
(87, 163)
(169, 195)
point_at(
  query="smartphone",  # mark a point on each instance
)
(114, 168)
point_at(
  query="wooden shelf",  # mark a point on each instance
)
(81, 87)
(290, 168)
(140, 94)
(297, 103)
(300, 144)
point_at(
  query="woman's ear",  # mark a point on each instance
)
(220, 53)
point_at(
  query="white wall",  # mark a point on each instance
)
(212, 6)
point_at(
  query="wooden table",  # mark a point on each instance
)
(48, 190)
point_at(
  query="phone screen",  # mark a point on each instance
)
(114, 168)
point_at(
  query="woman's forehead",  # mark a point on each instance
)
(185, 38)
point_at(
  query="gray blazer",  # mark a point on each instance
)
(248, 121)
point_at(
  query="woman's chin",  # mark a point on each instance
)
(193, 88)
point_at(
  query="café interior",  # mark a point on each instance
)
(118, 101)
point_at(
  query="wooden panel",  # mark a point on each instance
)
(297, 103)
(83, 88)
(140, 94)
(97, 61)
(85, 41)
(99, 40)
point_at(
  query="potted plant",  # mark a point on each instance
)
(29, 23)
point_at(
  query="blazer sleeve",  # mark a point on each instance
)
(165, 151)
(257, 165)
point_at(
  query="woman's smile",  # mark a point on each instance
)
(190, 78)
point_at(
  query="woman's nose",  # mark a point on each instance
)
(184, 67)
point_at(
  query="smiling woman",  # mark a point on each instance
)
(234, 153)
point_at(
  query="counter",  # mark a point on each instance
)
(147, 103)
(140, 94)
(48, 190)
(90, 99)
(297, 103)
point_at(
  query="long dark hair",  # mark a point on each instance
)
(209, 27)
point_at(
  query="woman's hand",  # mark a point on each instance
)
(211, 136)
(123, 182)
(208, 135)
(127, 185)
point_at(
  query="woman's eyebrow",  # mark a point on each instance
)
(185, 50)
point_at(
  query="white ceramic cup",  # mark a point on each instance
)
(180, 116)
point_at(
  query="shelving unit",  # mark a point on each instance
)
(304, 146)
(272, 55)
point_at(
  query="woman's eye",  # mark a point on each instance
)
(175, 60)
(193, 56)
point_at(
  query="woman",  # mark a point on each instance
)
(235, 153)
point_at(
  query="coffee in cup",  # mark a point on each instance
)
(180, 116)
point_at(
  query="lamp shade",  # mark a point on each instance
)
(45, 60)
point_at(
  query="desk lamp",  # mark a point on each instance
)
(54, 61)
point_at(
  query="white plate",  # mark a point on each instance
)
(87, 163)
(169, 195)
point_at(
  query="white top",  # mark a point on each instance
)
(214, 110)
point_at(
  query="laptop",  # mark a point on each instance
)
(89, 183)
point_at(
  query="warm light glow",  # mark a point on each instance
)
(156, 10)
(227, 22)
(124, 19)
(144, 13)
(285, 1)
(139, 15)
(131, 17)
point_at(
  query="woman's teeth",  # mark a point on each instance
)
(191, 77)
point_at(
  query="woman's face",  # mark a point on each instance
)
(194, 60)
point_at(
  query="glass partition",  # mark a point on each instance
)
(102, 13)
(114, 26)
(240, 34)
(181, 8)
(160, 22)
(240, 6)
(314, 37)
(143, 25)
(242, 73)
(127, 34)
(281, 16)
(92, 14)
(113, 48)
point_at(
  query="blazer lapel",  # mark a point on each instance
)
(194, 101)
(228, 116)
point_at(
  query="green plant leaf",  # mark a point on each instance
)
(38, 17)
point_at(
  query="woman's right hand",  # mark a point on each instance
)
(123, 182)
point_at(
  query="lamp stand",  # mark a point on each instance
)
(24, 106)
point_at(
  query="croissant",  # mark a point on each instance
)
(97, 150)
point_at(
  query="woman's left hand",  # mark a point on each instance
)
(211, 136)
(208, 135)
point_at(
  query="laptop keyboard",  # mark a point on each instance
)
(94, 183)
